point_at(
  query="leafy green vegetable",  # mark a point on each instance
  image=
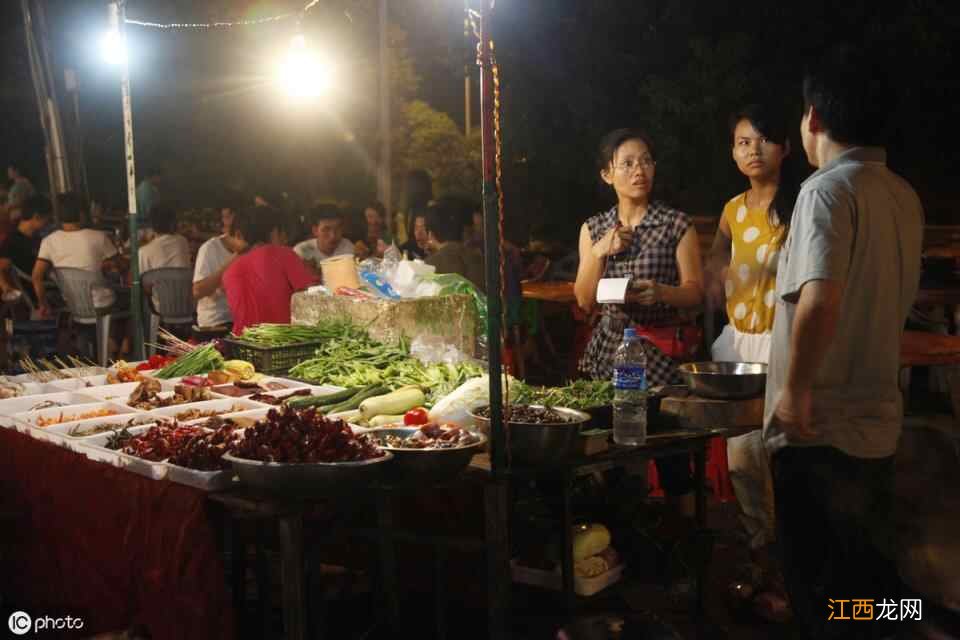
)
(356, 360)
(201, 360)
(580, 394)
(275, 335)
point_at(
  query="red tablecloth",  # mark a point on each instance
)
(112, 547)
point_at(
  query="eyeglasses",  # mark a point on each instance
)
(630, 164)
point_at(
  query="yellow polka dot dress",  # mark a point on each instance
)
(752, 277)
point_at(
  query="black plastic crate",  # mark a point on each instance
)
(272, 360)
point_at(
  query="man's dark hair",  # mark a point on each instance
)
(164, 220)
(615, 139)
(849, 95)
(325, 211)
(36, 206)
(446, 219)
(256, 223)
(71, 208)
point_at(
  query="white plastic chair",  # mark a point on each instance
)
(171, 300)
(76, 286)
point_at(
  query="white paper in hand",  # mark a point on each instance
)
(612, 290)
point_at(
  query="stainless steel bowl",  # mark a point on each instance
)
(725, 380)
(307, 475)
(539, 444)
(437, 463)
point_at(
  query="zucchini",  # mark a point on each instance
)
(305, 402)
(399, 401)
(384, 420)
(354, 401)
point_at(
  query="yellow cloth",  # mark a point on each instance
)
(752, 278)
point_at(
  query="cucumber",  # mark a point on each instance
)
(384, 420)
(399, 401)
(306, 402)
(354, 401)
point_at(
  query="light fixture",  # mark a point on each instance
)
(302, 73)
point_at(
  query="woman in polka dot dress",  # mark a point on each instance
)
(743, 271)
(656, 247)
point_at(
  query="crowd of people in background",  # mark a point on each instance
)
(243, 275)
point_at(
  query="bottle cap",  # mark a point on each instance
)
(629, 333)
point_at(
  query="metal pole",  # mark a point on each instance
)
(117, 22)
(386, 176)
(56, 128)
(40, 91)
(491, 239)
(466, 69)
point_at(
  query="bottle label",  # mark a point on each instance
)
(630, 378)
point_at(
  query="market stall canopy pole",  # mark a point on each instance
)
(491, 240)
(118, 24)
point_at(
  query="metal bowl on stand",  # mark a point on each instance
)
(724, 380)
(539, 444)
(432, 462)
(307, 475)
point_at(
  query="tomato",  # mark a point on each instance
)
(416, 417)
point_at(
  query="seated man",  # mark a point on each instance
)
(260, 282)
(72, 247)
(167, 248)
(445, 229)
(327, 240)
(215, 255)
(19, 248)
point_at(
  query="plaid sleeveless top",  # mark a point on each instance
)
(651, 256)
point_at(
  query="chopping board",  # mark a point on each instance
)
(704, 413)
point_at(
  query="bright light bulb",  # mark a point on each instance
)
(112, 49)
(302, 73)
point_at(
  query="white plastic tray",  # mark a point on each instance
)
(95, 448)
(32, 388)
(203, 480)
(232, 405)
(13, 406)
(31, 417)
(121, 420)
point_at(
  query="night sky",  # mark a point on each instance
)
(572, 70)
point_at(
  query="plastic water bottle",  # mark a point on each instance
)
(630, 391)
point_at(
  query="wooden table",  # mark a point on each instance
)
(558, 291)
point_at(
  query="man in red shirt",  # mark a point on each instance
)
(259, 283)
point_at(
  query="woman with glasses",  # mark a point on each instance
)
(656, 247)
(742, 270)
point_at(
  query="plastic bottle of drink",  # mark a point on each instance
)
(630, 391)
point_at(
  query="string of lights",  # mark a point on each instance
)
(222, 25)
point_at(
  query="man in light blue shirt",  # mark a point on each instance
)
(848, 275)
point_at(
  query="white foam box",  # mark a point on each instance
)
(228, 405)
(79, 384)
(314, 390)
(13, 406)
(120, 421)
(95, 448)
(551, 579)
(121, 392)
(203, 480)
(33, 388)
(70, 412)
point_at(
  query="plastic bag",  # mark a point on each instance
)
(452, 283)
